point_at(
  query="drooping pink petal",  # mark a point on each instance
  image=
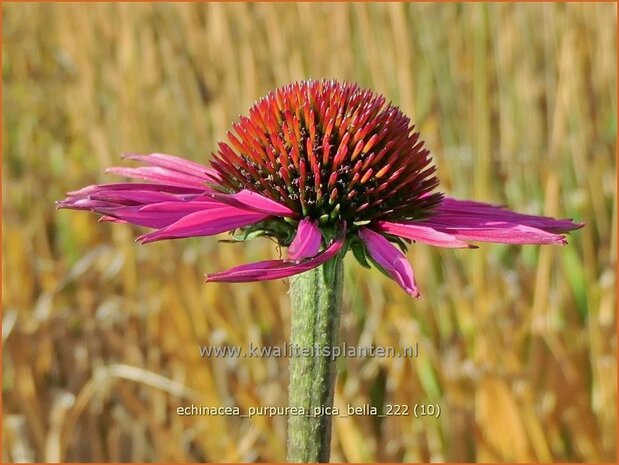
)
(159, 175)
(476, 213)
(195, 204)
(306, 242)
(133, 197)
(467, 220)
(251, 200)
(111, 195)
(472, 220)
(205, 223)
(390, 259)
(275, 269)
(426, 234)
(505, 233)
(157, 215)
(178, 164)
(127, 186)
(133, 216)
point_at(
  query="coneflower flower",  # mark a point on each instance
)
(321, 167)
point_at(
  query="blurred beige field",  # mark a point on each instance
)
(517, 345)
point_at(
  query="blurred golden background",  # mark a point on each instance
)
(517, 345)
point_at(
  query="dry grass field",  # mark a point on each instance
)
(517, 345)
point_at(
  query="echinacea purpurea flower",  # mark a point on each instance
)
(321, 167)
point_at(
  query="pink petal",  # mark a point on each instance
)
(157, 215)
(197, 204)
(306, 242)
(126, 194)
(507, 233)
(133, 216)
(159, 175)
(275, 269)
(133, 197)
(205, 223)
(390, 259)
(420, 233)
(468, 220)
(475, 214)
(178, 164)
(443, 220)
(254, 201)
(173, 189)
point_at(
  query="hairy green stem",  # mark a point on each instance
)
(316, 298)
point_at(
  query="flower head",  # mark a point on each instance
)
(321, 167)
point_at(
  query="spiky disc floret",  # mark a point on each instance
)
(330, 151)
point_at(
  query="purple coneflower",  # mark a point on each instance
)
(320, 166)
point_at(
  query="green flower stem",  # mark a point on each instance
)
(316, 298)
